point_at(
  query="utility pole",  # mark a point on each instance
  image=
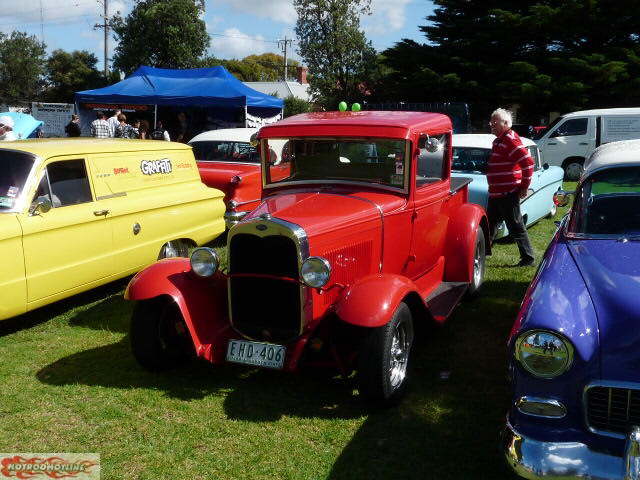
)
(283, 45)
(105, 25)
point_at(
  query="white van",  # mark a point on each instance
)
(572, 137)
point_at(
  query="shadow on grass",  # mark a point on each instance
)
(443, 429)
(46, 313)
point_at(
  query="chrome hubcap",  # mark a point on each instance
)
(399, 356)
(477, 268)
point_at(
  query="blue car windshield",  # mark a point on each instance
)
(14, 170)
(471, 160)
(608, 203)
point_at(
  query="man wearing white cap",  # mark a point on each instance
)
(6, 128)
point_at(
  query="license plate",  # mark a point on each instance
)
(265, 355)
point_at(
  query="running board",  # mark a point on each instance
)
(443, 299)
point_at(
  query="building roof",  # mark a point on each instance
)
(52, 147)
(282, 89)
(614, 154)
(358, 124)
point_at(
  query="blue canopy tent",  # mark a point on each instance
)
(198, 87)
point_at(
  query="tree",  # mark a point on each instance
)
(294, 105)
(160, 33)
(532, 53)
(338, 55)
(68, 73)
(268, 67)
(21, 67)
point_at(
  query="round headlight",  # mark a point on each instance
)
(204, 262)
(544, 354)
(315, 272)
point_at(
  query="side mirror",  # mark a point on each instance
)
(42, 205)
(545, 166)
(561, 198)
(430, 144)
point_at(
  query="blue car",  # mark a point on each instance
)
(470, 155)
(574, 349)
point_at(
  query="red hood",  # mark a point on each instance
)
(319, 212)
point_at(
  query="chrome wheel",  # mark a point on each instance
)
(478, 267)
(173, 249)
(399, 354)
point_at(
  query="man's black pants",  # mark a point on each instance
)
(507, 208)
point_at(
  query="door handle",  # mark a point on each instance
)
(552, 143)
(100, 213)
(583, 143)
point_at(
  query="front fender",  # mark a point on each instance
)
(202, 302)
(461, 241)
(372, 301)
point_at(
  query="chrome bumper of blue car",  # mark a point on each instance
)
(534, 459)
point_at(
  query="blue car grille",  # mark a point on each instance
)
(613, 409)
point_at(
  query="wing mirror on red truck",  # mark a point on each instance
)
(430, 144)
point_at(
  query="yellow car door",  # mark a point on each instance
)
(13, 289)
(69, 247)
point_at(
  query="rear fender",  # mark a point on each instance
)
(372, 301)
(461, 241)
(202, 302)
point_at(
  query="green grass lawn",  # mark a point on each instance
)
(70, 384)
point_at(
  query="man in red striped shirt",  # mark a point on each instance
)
(509, 173)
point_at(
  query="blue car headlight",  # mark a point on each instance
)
(543, 354)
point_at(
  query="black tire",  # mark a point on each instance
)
(383, 359)
(159, 337)
(479, 265)
(174, 248)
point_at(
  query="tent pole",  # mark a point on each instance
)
(155, 116)
(245, 116)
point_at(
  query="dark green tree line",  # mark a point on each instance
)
(543, 56)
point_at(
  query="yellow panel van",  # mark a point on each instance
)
(78, 213)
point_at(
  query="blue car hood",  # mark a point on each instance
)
(611, 271)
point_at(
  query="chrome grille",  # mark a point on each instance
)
(613, 409)
(264, 308)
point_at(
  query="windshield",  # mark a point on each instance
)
(223, 151)
(472, 160)
(14, 170)
(608, 203)
(376, 161)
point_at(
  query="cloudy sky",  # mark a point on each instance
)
(237, 27)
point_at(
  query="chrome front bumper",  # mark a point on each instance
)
(533, 459)
(231, 218)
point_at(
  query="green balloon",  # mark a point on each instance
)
(355, 107)
(342, 106)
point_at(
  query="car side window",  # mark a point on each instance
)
(69, 183)
(43, 193)
(574, 126)
(431, 164)
(535, 154)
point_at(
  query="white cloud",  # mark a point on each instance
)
(278, 10)
(385, 17)
(232, 43)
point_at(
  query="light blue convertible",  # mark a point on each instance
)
(470, 155)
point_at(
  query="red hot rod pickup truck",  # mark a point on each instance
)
(364, 236)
